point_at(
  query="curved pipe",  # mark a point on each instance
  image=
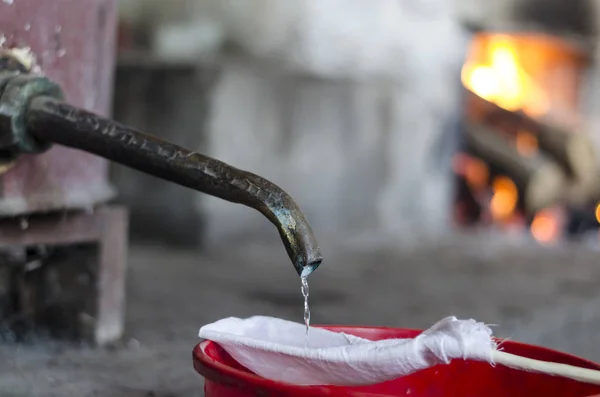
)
(52, 120)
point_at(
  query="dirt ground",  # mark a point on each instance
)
(543, 296)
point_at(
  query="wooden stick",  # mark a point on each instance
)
(531, 365)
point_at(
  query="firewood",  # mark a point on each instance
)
(572, 149)
(583, 193)
(539, 180)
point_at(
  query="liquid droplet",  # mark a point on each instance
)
(305, 294)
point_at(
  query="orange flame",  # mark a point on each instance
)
(545, 227)
(495, 71)
(475, 171)
(498, 77)
(505, 198)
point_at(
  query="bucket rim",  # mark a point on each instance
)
(218, 372)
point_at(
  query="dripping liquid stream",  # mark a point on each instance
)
(306, 308)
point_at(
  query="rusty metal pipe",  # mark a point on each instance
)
(51, 120)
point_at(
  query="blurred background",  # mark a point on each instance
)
(445, 153)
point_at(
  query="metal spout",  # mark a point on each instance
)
(50, 120)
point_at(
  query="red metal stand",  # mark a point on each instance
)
(74, 43)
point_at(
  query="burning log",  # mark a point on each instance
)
(541, 182)
(572, 150)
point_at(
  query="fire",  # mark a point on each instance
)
(527, 143)
(545, 227)
(511, 72)
(475, 171)
(533, 73)
(505, 198)
(497, 76)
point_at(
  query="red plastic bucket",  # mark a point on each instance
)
(226, 378)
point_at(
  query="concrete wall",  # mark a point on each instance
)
(356, 156)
